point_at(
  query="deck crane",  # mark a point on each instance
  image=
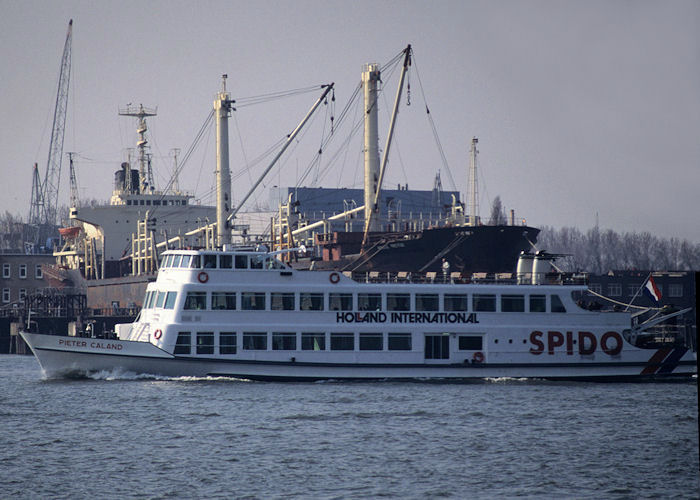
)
(43, 211)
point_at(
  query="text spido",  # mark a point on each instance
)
(586, 342)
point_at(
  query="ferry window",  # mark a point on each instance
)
(340, 301)
(313, 341)
(255, 341)
(399, 342)
(675, 290)
(160, 299)
(256, 262)
(209, 261)
(485, 303)
(241, 262)
(454, 302)
(170, 300)
(194, 263)
(186, 260)
(615, 289)
(253, 301)
(166, 261)
(284, 341)
(196, 300)
(342, 341)
(369, 301)
(183, 343)
(225, 261)
(227, 343)
(398, 302)
(311, 301)
(282, 301)
(223, 300)
(427, 302)
(146, 299)
(512, 303)
(205, 342)
(557, 305)
(152, 300)
(371, 341)
(175, 262)
(471, 343)
(538, 303)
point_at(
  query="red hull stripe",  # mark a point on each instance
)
(654, 362)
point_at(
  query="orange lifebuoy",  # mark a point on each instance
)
(478, 357)
(334, 278)
(203, 277)
(158, 334)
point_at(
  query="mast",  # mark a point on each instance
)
(145, 172)
(222, 108)
(473, 185)
(370, 79)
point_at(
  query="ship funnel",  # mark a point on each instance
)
(541, 266)
(524, 269)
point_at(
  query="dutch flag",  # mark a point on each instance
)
(652, 291)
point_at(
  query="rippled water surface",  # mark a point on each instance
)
(120, 435)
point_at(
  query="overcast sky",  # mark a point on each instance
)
(584, 110)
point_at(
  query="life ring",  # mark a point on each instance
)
(334, 278)
(203, 277)
(158, 334)
(478, 357)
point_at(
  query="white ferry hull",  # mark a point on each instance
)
(61, 356)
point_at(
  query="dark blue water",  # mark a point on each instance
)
(130, 437)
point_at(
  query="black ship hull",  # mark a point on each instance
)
(468, 249)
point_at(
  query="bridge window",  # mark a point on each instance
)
(284, 341)
(512, 303)
(538, 303)
(223, 300)
(183, 343)
(342, 341)
(175, 262)
(371, 341)
(227, 342)
(427, 302)
(399, 341)
(398, 302)
(369, 301)
(196, 300)
(253, 301)
(282, 301)
(340, 301)
(186, 260)
(170, 300)
(160, 299)
(205, 342)
(456, 302)
(194, 263)
(313, 341)
(311, 301)
(484, 303)
(471, 343)
(255, 341)
(166, 261)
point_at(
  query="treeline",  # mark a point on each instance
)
(599, 251)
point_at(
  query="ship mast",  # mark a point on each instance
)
(145, 172)
(222, 107)
(370, 79)
(472, 183)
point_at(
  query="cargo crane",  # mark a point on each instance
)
(44, 204)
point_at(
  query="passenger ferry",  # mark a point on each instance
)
(246, 314)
